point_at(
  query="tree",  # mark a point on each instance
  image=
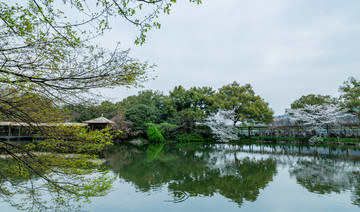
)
(140, 115)
(146, 97)
(314, 117)
(313, 99)
(351, 96)
(191, 106)
(124, 126)
(25, 107)
(247, 107)
(196, 98)
(48, 52)
(153, 99)
(45, 51)
(221, 124)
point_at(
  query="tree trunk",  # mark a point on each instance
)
(234, 127)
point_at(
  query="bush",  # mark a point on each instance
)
(205, 131)
(167, 130)
(154, 134)
(192, 137)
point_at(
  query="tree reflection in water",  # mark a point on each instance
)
(68, 188)
(192, 170)
(325, 176)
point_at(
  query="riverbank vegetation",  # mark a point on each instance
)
(233, 113)
(49, 66)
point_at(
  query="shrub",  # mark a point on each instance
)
(154, 134)
(192, 137)
(167, 129)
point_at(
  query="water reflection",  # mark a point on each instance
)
(237, 172)
(326, 176)
(192, 170)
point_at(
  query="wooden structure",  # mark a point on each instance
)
(24, 129)
(21, 129)
(98, 123)
(349, 130)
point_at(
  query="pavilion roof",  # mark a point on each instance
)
(100, 120)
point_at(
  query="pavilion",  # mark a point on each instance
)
(99, 123)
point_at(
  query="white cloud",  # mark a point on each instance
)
(284, 48)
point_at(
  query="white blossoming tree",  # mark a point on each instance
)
(222, 125)
(315, 117)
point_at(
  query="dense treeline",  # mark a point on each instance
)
(180, 114)
(187, 114)
(202, 113)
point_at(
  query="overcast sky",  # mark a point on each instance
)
(283, 48)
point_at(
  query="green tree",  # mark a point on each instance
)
(31, 108)
(312, 99)
(153, 99)
(188, 118)
(89, 110)
(191, 106)
(196, 98)
(247, 107)
(140, 115)
(147, 97)
(350, 94)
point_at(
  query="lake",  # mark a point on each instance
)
(231, 177)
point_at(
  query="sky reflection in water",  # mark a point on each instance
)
(226, 177)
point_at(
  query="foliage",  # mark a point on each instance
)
(196, 98)
(47, 51)
(153, 151)
(221, 125)
(50, 182)
(153, 134)
(44, 52)
(321, 176)
(27, 107)
(314, 117)
(74, 139)
(190, 106)
(188, 118)
(204, 131)
(313, 99)
(140, 115)
(167, 130)
(246, 106)
(351, 96)
(196, 171)
(150, 98)
(46, 167)
(90, 110)
(124, 127)
(191, 137)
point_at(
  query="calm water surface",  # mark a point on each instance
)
(229, 177)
